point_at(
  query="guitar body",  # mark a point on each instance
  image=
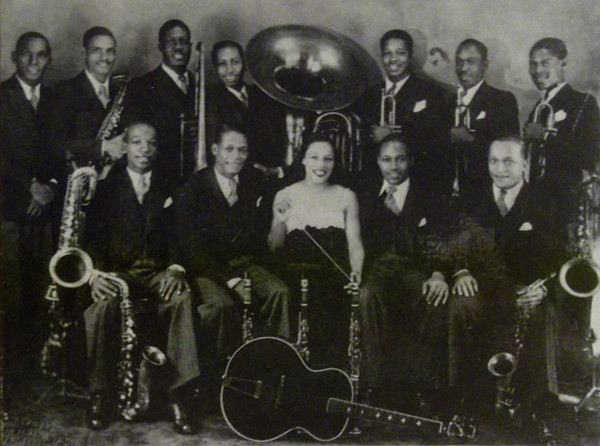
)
(268, 391)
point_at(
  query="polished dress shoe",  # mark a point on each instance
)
(97, 417)
(181, 422)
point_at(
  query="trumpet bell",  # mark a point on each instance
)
(502, 364)
(310, 68)
(71, 267)
(580, 277)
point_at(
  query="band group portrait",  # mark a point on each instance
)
(300, 235)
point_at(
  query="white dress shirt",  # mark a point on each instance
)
(238, 94)
(399, 84)
(468, 96)
(29, 90)
(552, 92)
(135, 180)
(511, 194)
(175, 76)
(400, 194)
(97, 84)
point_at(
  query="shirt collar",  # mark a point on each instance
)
(97, 84)
(28, 89)
(400, 187)
(511, 194)
(468, 97)
(399, 84)
(238, 94)
(553, 91)
(135, 177)
(174, 74)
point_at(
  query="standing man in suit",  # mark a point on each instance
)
(222, 232)
(419, 105)
(163, 96)
(247, 107)
(509, 238)
(401, 302)
(81, 104)
(476, 115)
(28, 189)
(127, 230)
(574, 146)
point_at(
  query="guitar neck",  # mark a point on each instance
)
(364, 412)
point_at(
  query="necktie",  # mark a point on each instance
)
(244, 98)
(232, 198)
(103, 95)
(182, 83)
(143, 185)
(392, 90)
(390, 201)
(461, 109)
(502, 203)
(34, 100)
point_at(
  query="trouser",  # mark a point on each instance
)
(175, 323)
(402, 336)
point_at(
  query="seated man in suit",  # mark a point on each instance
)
(126, 234)
(509, 239)
(574, 145)
(163, 96)
(81, 104)
(402, 300)
(476, 115)
(419, 105)
(28, 184)
(234, 102)
(222, 232)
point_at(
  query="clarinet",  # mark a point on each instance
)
(247, 323)
(354, 353)
(302, 341)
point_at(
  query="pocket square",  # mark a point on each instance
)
(526, 227)
(481, 115)
(560, 116)
(423, 222)
(168, 202)
(420, 105)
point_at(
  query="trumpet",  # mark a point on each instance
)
(580, 277)
(387, 112)
(535, 154)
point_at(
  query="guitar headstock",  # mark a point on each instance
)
(461, 427)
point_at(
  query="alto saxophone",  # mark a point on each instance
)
(111, 120)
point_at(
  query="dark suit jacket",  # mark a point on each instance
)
(526, 241)
(156, 98)
(77, 115)
(120, 232)
(493, 113)
(263, 122)
(422, 129)
(211, 234)
(25, 154)
(382, 231)
(576, 145)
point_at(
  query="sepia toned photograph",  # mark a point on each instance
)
(363, 222)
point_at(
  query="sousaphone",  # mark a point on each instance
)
(316, 70)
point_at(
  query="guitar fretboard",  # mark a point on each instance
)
(361, 411)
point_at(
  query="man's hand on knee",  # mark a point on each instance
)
(465, 285)
(173, 282)
(103, 288)
(435, 289)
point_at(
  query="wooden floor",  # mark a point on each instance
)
(37, 413)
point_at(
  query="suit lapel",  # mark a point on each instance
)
(19, 100)
(216, 189)
(89, 94)
(167, 90)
